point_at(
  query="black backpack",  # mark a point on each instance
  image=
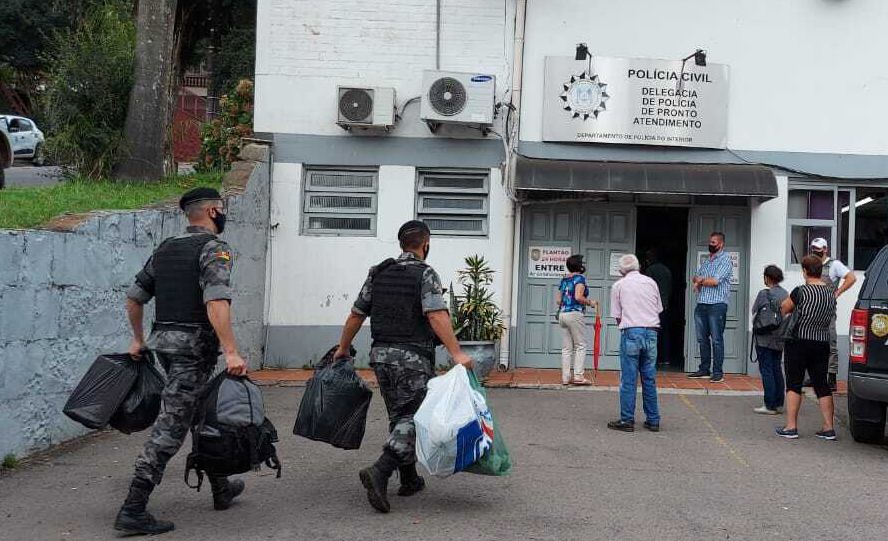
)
(231, 434)
(768, 317)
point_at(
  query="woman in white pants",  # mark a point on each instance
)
(572, 302)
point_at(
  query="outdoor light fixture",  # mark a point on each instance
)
(582, 51)
(699, 57)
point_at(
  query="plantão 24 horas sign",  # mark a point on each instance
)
(637, 101)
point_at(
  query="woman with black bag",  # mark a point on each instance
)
(812, 307)
(768, 344)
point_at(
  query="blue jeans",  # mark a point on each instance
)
(709, 320)
(772, 376)
(638, 354)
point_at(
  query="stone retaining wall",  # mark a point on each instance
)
(62, 300)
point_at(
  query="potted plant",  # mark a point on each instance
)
(477, 320)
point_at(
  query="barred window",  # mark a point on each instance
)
(454, 202)
(340, 201)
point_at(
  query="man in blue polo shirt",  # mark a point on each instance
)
(712, 283)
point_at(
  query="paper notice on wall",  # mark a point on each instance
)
(735, 263)
(547, 261)
(615, 263)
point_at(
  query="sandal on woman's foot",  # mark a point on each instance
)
(581, 382)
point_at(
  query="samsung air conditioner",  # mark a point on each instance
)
(362, 107)
(457, 98)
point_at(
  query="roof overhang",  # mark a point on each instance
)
(729, 180)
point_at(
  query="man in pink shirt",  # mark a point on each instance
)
(636, 305)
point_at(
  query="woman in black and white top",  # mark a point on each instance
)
(808, 348)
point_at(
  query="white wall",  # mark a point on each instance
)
(306, 48)
(315, 278)
(806, 76)
(768, 242)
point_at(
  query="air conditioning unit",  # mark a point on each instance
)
(366, 107)
(457, 98)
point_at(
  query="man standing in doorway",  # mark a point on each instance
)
(712, 283)
(661, 274)
(404, 300)
(636, 305)
(836, 275)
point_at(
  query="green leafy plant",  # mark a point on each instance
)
(474, 315)
(87, 89)
(10, 462)
(222, 138)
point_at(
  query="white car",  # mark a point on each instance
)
(25, 138)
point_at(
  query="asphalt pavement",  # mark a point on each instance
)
(23, 174)
(716, 471)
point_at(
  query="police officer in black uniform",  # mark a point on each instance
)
(189, 276)
(404, 299)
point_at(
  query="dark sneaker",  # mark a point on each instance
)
(788, 434)
(376, 484)
(829, 435)
(831, 380)
(621, 426)
(653, 427)
(699, 374)
(226, 493)
(131, 522)
(717, 379)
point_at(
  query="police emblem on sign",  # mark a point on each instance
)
(584, 95)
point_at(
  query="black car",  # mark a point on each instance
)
(868, 362)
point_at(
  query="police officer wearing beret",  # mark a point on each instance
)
(404, 300)
(189, 276)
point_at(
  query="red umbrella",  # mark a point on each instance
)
(596, 348)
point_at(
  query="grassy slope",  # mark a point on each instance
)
(31, 207)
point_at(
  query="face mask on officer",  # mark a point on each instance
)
(218, 218)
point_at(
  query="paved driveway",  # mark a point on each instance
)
(715, 472)
(24, 174)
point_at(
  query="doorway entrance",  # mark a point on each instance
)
(661, 244)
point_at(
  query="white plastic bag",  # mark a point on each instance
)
(450, 435)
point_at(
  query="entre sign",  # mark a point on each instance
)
(636, 101)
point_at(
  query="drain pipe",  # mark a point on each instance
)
(511, 217)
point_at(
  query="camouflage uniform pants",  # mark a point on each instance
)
(186, 377)
(403, 390)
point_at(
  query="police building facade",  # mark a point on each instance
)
(487, 120)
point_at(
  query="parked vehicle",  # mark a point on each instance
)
(5, 152)
(868, 361)
(25, 138)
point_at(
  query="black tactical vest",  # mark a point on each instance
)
(396, 315)
(177, 291)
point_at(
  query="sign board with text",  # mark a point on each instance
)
(547, 261)
(636, 101)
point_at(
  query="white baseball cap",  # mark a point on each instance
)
(819, 243)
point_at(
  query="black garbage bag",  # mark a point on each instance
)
(334, 406)
(140, 408)
(101, 390)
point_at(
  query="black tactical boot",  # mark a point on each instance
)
(225, 491)
(375, 480)
(411, 482)
(133, 519)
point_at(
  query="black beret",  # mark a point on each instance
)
(412, 226)
(198, 194)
